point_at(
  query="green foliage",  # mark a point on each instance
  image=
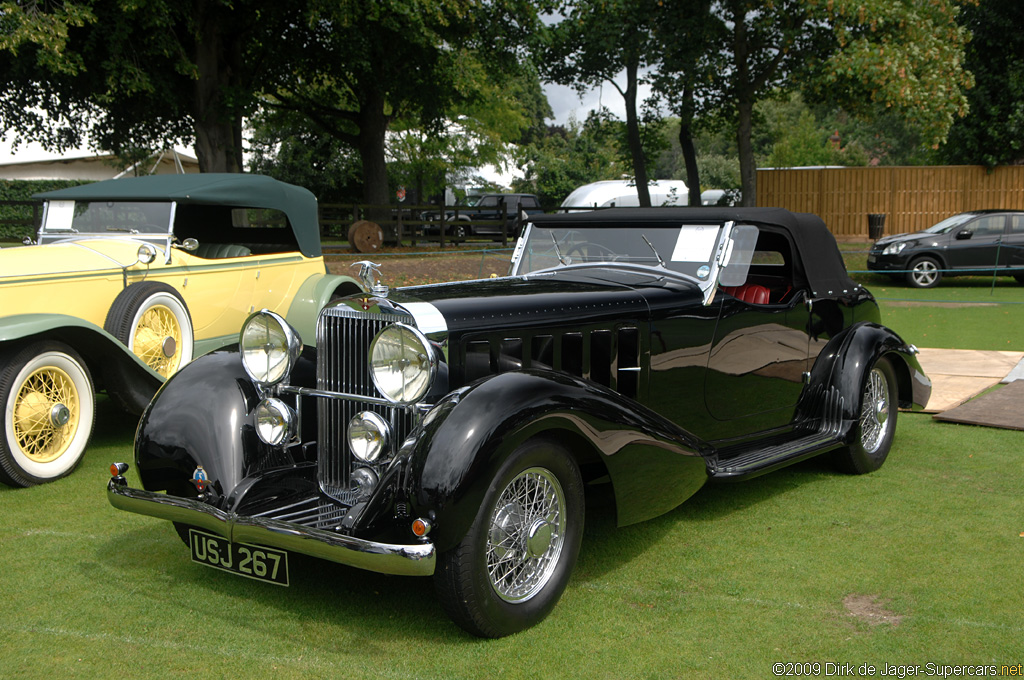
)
(595, 42)
(19, 221)
(286, 147)
(905, 55)
(992, 133)
(571, 156)
(357, 69)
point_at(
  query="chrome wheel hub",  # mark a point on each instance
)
(60, 415)
(526, 535)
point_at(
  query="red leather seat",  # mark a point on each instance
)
(750, 293)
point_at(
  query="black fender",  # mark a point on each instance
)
(840, 369)
(453, 456)
(199, 417)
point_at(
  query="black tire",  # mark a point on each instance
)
(925, 272)
(472, 579)
(876, 428)
(49, 408)
(152, 320)
(457, 231)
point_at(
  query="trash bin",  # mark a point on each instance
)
(876, 226)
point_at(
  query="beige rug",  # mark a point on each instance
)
(959, 374)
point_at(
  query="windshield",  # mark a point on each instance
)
(687, 249)
(108, 217)
(948, 224)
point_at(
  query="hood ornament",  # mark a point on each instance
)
(369, 274)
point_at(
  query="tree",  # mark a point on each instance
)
(126, 74)
(569, 157)
(903, 56)
(363, 66)
(993, 132)
(598, 40)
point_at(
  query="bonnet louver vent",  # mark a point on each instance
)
(607, 357)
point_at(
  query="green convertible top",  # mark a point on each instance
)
(236, 190)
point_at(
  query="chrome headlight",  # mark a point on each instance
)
(369, 436)
(270, 347)
(402, 364)
(275, 422)
(894, 248)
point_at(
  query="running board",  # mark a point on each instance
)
(826, 436)
(760, 461)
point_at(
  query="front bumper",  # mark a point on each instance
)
(387, 558)
(886, 263)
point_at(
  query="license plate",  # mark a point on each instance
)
(871, 259)
(252, 561)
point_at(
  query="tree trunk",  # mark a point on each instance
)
(748, 168)
(636, 147)
(688, 149)
(373, 127)
(218, 126)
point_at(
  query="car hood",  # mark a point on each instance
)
(67, 257)
(909, 238)
(562, 297)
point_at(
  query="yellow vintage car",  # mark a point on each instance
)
(130, 280)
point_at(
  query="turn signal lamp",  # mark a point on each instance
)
(118, 469)
(421, 527)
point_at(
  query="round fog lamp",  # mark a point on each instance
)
(402, 364)
(369, 436)
(275, 422)
(270, 347)
(365, 481)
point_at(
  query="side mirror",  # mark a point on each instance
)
(964, 234)
(189, 244)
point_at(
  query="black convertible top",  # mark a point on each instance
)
(815, 245)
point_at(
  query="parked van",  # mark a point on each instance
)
(622, 193)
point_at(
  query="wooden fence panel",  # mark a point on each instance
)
(911, 198)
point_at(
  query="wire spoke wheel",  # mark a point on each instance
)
(46, 413)
(48, 407)
(157, 340)
(526, 535)
(509, 569)
(874, 414)
(876, 427)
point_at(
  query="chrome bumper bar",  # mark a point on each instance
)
(387, 558)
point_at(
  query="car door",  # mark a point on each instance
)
(1011, 255)
(756, 364)
(975, 245)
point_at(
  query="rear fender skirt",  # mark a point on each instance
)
(840, 369)
(653, 465)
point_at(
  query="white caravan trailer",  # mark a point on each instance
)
(622, 194)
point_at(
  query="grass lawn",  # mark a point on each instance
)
(917, 563)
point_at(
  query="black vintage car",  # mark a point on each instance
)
(450, 430)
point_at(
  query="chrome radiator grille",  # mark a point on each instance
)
(343, 340)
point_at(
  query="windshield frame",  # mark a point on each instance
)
(62, 212)
(726, 249)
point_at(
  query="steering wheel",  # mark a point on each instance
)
(593, 249)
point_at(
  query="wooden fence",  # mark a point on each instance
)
(911, 198)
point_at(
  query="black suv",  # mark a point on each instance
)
(481, 215)
(970, 243)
